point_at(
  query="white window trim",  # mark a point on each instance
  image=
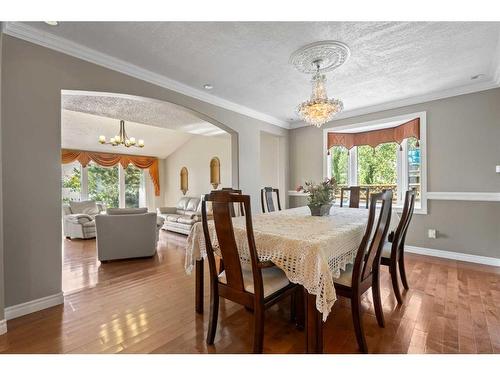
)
(352, 173)
(84, 185)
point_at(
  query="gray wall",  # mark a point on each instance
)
(33, 78)
(463, 147)
(2, 302)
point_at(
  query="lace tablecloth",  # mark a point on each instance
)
(310, 250)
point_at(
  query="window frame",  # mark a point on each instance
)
(402, 164)
(84, 186)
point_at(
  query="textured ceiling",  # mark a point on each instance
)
(140, 110)
(163, 126)
(247, 63)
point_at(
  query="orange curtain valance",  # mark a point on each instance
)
(108, 160)
(376, 137)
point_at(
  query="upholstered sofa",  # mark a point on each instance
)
(124, 233)
(183, 216)
(78, 219)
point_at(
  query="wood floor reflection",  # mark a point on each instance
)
(147, 306)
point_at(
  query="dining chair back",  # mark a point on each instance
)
(354, 196)
(393, 255)
(239, 210)
(221, 202)
(266, 196)
(368, 255)
(243, 286)
(365, 273)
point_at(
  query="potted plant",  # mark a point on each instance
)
(321, 196)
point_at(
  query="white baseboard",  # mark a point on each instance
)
(455, 256)
(3, 327)
(29, 307)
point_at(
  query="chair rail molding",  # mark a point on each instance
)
(464, 196)
(35, 305)
(3, 327)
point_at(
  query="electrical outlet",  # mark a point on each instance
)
(432, 233)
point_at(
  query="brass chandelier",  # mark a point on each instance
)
(122, 139)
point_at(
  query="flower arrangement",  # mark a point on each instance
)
(321, 196)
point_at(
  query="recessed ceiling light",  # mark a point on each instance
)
(477, 76)
(208, 86)
(52, 23)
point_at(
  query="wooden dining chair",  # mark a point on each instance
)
(266, 195)
(235, 212)
(393, 250)
(354, 196)
(257, 285)
(365, 272)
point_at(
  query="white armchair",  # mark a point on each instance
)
(78, 219)
(127, 233)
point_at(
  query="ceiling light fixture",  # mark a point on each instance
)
(52, 23)
(122, 139)
(208, 86)
(318, 58)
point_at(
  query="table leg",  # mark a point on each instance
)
(314, 325)
(199, 286)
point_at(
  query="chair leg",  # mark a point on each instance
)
(358, 323)
(402, 270)
(214, 315)
(377, 301)
(258, 329)
(393, 270)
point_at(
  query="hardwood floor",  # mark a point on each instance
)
(147, 306)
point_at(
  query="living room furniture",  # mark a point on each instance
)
(124, 233)
(266, 195)
(78, 219)
(183, 216)
(393, 250)
(354, 195)
(364, 274)
(254, 284)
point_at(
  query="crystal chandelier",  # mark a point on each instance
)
(319, 109)
(122, 139)
(318, 58)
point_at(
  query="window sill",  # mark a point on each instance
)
(399, 208)
(417, 211)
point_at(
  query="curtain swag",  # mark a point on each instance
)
(108, 160)
(373, 138)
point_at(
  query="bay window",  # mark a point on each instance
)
(388, 165)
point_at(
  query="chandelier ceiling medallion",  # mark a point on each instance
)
(317, 59)
(122, 139)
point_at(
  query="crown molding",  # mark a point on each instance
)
(68, 47)
(442, 94)
(77, 50)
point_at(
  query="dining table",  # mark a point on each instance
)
(311, 250)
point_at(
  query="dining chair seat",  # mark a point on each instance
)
(274, 279)
(345, 277)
